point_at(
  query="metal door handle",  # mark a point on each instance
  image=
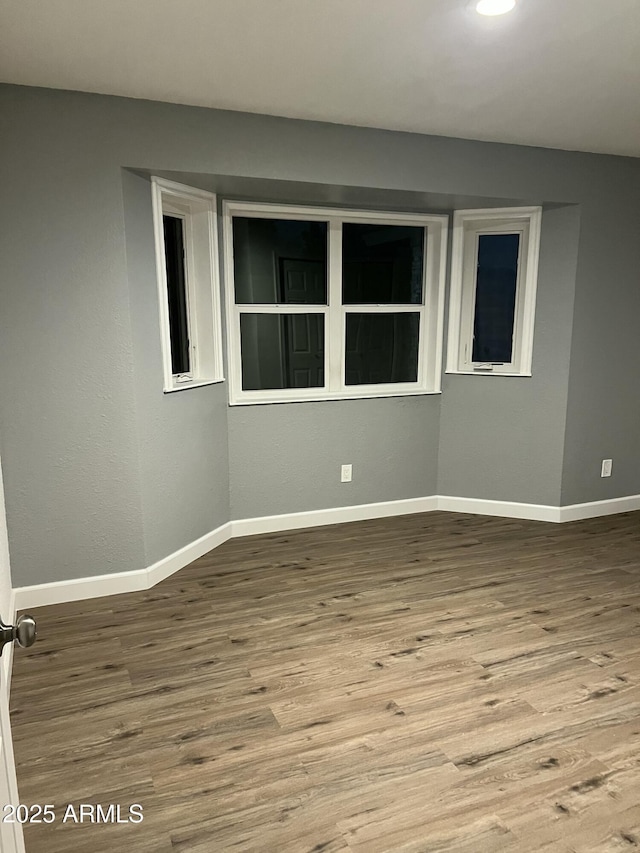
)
(23, 632)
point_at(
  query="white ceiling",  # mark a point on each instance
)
(555, 73)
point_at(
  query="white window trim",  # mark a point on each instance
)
(198, 209)
(467, 225)
(431, 310)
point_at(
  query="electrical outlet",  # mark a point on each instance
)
(605, 471)
(346, 473)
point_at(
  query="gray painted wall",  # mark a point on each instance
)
(502, 437)
(182, 437)
(84, 432)
(286, 458)
(67, 402)
(603, 413)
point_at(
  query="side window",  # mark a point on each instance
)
(188, 287)
(494, 276)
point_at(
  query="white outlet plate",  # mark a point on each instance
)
(346, 473)
(605, 471)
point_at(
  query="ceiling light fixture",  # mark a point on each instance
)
(495, 7)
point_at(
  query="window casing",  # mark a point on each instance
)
(494, 273)
(188, 285)
(304, 309)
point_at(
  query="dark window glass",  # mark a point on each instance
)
(279, 261)
(495, 305)
(176, 290)
(382, 348)
(382, 264)
(282, 351)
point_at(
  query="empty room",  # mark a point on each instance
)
(320, 426)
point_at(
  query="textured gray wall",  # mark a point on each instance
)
(603, 414)
(287, 458)
(83, 435)
(183, 435)
(502, 437)
(67, 403)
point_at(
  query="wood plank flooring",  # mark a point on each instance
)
(420, 684)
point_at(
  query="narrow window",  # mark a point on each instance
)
(188, 288)
(177, 294)
(493, 290)
(495, 301)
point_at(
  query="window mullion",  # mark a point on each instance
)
(334, 341)
(280, 308)
(235, 357)
(388, 308)
(470, 269)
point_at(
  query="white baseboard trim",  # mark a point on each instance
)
(78, 589)
(505, 509)
(575, 512)
(334, 515)
(40, 595)
(181, 558)
(539, 512)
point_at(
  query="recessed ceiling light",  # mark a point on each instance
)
(495, 7)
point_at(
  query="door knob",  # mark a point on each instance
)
(23, 632)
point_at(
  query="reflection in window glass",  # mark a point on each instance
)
(382, 348)
(282, 351)
(173, 227)
(495, 302)
(279, 261)
(382, 264)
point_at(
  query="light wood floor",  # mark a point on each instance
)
(429, 683)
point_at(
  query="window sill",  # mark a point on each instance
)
(263, 401)
(196, 383)
(486, 373)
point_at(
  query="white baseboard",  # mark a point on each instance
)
(575, 512)
(79, 589)
(114, 584)
(505, 509)
(181, 558)
(539, 512)
(334, 515)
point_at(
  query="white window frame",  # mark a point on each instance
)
(197, 209)
(468, 225)
(431, 310)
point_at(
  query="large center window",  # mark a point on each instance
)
(330, 304)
